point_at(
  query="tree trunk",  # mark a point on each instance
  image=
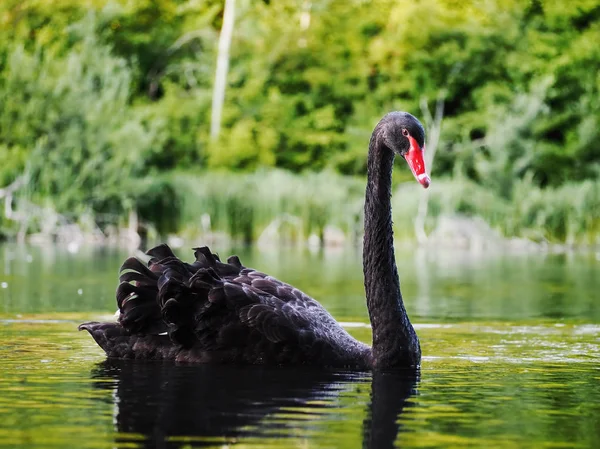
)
(222, 68)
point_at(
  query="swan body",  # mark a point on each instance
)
(218, 312)
(223, 312)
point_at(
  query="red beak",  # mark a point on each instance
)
(415, 161)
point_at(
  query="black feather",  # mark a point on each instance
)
(226, 312)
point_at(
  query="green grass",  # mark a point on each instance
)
(243, 205)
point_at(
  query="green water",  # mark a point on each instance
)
(511, 350)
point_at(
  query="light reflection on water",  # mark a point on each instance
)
(443, 286)
(511, 359)
(480, 384)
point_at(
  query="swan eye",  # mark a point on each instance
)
(404, 132)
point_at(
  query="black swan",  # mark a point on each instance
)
(215, 312)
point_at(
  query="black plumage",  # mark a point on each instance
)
(215, 312)
(220, 312)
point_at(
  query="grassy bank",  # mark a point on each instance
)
(279, 205)
(244, 205)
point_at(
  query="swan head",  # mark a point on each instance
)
(404, 134)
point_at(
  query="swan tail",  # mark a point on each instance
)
(118, 342)
(105, 334)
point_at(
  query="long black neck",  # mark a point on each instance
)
(395, 343)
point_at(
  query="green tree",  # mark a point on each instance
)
(67, 122)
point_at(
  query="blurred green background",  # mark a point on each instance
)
(105, 115)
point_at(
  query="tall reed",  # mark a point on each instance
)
(243, 205)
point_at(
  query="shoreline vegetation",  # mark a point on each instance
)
(277, 208)
(123, 122)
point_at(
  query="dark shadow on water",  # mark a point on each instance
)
(170, 406)
(389, 392)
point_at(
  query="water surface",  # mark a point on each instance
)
(511, 350)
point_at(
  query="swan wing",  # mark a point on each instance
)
(226, 308)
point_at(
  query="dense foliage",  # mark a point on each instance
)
(96, 96)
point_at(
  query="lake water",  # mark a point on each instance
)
(511, 349)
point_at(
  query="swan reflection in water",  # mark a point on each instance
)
(170, 406)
